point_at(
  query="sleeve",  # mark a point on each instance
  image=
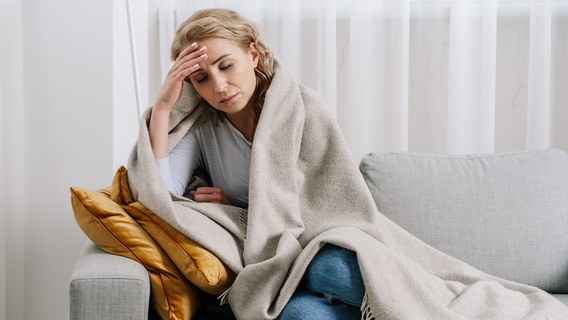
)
(177, 169)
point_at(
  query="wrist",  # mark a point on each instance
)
(161, 107)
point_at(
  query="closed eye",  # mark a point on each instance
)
(200, 79)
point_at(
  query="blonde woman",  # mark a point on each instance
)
(220, 54)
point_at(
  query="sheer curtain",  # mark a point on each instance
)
(444, 76)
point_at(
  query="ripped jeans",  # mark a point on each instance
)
(331, 289)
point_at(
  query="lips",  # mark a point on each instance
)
(228, 99)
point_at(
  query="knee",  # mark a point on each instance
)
(334, 272)
(333, 262)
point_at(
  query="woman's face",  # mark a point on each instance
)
(226, 80)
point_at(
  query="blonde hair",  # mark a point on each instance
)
(230, 25)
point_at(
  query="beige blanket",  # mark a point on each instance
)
(306, 191)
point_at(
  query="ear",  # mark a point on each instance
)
(254, 53)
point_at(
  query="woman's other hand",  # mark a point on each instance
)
(209, 194)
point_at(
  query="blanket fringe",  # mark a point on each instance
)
(366, 313)
(243, 220)
(224, 297)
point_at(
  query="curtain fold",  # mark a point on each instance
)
(488, 77)
(444, 76)
(539, 102)
(471, 79)
(167, 25)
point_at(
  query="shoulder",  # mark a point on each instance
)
(203, 123)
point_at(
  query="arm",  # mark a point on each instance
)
(176, 173)
(186, 63)
(177, 168)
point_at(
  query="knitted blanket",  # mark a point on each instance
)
(306, 191)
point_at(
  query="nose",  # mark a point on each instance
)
(219, 84)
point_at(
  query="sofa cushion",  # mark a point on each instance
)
(110, 214)
(114, 231)
(194, 261)
(505, 213)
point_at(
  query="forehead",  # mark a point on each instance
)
(220, 46)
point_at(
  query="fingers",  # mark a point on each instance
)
(209, 194)
(188, 61)
(189, 49)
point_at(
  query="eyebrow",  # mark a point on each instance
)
(214, 62)
(220, 58)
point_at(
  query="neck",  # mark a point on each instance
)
(244, 122)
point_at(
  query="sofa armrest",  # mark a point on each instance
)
(108, 286)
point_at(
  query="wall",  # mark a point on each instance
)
(125, 113)
(12, 154)
(68, 137)
(57, 118)
(2, 216)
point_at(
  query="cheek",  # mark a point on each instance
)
(200, 88)
(252, 81)
(203, 93)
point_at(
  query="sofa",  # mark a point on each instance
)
(503, 213)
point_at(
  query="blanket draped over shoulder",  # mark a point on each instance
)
(306, 191)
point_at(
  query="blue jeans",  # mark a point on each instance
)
(331, 289)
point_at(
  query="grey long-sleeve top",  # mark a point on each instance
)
(221, 150)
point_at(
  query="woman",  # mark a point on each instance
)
(285, 205)
(220, 54)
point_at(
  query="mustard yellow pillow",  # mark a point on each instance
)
(199, 265)
(114, 231)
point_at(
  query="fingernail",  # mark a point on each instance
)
(194, 44)
(203, 48)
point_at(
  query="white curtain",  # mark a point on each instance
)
(444, 76)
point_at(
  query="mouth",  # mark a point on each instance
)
(228, 99)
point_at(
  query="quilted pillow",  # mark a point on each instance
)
(199, 265)
(114, 231)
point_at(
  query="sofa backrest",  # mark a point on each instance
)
(505, 213)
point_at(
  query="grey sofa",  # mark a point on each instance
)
(506, 214)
